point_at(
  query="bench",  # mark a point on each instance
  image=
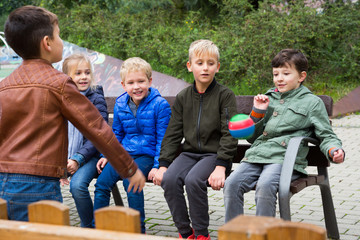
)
(286, 188)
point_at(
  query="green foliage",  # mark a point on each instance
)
(249, 33)
(2, 21)
(7, 6)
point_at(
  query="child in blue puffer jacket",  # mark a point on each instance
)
(141, 117)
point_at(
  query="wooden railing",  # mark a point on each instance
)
(50, 220)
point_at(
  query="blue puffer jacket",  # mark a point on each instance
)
(142, 135)
(88, 151)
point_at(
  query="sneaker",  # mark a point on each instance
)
(192, 236)
(202, 237)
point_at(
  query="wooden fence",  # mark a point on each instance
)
(50, 220)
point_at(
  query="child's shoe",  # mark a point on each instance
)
(202, 237)
(192, 236)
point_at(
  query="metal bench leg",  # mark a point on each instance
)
(328, 206)
(284, 206)
(329, 211)
(117, 196)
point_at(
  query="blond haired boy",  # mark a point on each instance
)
(141, 117)
(200, 115)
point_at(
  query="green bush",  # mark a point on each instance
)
(249, 33)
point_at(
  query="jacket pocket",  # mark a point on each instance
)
(296, 116)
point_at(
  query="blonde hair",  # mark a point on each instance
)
(72, 62)
(135, 64)
(203, 46)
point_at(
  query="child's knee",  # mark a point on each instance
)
(77, 186)
(103, 185)
(169, 181)
(194, 183)
(265, 189)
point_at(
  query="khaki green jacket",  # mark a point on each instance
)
(290, 114)
(202, 119)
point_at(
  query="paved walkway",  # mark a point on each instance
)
(305, 206)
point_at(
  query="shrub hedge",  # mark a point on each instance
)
(248, 33)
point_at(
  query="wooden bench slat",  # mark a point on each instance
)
(311, 180)
(298, 185)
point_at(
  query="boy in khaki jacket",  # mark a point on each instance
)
(285, 111)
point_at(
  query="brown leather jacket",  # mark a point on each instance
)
(35, 102)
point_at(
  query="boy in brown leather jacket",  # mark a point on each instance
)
(35, 103)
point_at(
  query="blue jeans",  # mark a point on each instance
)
(19, 190)
(79, 189)
(109, 177)
(246, 176)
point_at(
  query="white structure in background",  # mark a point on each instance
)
(6, 53)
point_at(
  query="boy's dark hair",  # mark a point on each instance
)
(26, 27)
(292, 57)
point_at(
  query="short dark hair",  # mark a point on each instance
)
(292, 57)
(26, 27)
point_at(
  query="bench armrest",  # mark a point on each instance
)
(289, 162)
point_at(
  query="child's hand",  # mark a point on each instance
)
(261, 101)
(217, 178)
(159, 175)
(338, 156)
(152, 173)
(64, 181)
(101, 164)
(72, 166)
(136, 182)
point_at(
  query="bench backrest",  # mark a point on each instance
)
(244, 105)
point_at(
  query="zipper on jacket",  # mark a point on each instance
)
(198, 122)
(227, 116)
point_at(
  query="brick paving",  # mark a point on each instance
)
(306, 206)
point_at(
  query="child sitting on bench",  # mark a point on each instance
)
(141, 117)
(285, 111)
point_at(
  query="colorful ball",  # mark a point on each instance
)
(241, 126)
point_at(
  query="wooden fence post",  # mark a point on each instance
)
(296, 231)
(268, 228)
(118, 218)
(3, 209)
(246, 228)
(50, 212)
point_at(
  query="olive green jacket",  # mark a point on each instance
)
(202, 120)
(294, 113)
